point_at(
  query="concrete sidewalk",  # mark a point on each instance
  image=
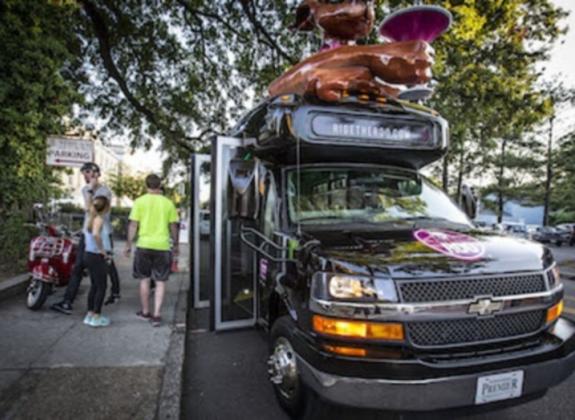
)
(53, 366)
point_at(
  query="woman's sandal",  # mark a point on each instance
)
(142, 315)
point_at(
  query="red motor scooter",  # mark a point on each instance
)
(50, 262)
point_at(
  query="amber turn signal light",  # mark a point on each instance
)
(390, 331)
(346, 351)
(554, 312)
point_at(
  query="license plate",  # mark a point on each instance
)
(499, 387)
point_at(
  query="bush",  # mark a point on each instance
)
(120, 226)
(15, 236)
(70, 208)
(121, 211)
(562, 216)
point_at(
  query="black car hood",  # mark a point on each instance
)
(399, 255)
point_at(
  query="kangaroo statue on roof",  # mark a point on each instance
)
(341, 67)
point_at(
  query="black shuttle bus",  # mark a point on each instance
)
(376, 288)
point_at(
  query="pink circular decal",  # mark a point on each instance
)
(452, 244)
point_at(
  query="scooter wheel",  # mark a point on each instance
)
(38, 291)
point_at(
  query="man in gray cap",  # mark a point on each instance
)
(92, 189)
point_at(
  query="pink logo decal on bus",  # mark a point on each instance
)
(452, 244)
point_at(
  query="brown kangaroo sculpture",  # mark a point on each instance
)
(343, 67)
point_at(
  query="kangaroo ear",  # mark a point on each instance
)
(304, 20)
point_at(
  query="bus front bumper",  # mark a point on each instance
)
(430, 394)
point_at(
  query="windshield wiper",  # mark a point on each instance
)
(341, 219)
(434, 220)
(306, 219)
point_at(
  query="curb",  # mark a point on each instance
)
(14, 286)
(170, 396)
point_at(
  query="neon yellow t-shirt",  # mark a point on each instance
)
(154, 214)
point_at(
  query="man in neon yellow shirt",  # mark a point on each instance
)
(154, 219)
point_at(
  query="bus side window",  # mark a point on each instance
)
(270, 208)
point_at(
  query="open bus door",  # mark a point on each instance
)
(224, 268)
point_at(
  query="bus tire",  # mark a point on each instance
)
(292, 394)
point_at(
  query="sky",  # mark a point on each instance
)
(146, 161)
(561, 65)
(562, 58)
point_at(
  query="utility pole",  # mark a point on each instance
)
(501, 183)
(547, 198)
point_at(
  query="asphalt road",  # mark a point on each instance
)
(564, 254)
(226, 378)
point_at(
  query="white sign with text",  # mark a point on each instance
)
(63, 151)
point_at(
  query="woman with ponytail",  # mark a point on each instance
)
(98, 246)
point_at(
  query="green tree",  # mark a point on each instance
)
(488, 79)
(557, 96)
(38, 55)
(184, 69)
(563, 191)
(127, 186)
(133, 187)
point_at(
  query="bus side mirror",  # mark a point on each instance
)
(468, 201)
(243, 197)
(291, 276)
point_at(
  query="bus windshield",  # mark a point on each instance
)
(369, 195)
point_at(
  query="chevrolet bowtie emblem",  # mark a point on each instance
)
(485, 307)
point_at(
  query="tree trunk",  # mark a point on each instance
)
(549, 179)
(501, 182)
(445, 175)
(460, 172)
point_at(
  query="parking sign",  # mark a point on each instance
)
(70, 152)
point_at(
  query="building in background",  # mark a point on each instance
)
(111, 160)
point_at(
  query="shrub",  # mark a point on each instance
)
(15, 236)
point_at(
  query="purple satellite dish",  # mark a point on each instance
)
(424, 23)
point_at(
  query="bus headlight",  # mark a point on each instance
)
(357, 288)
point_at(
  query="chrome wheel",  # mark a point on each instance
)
(37, 294)
(34, 292)
(283, 368)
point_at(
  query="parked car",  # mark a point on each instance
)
(550, 235)
(569, 229)
(204, 223)
(518, 230)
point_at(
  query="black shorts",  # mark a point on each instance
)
(152, 264)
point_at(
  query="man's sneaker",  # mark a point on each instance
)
(156, 321)
(99, 321)
(62, 307)
(88, 319)
(112, 299)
